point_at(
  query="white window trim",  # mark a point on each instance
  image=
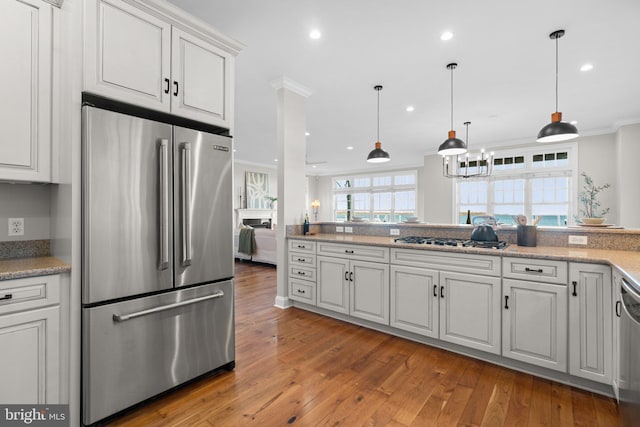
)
(528, 172)
(371, 189)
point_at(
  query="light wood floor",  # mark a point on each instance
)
(298, 368)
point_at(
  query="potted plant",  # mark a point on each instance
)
(590, 211)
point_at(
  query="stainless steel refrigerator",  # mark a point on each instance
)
(157, 259)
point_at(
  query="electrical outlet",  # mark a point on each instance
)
(348, 229)
(394, 232)
(577, 240)
(16, 227)
(339, 229)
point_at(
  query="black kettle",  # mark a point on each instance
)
(484, 233)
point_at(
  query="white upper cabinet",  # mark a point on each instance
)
(127, 54)
(148, 57)
(25, 112)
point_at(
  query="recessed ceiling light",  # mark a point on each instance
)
(349, 148)
(315, 34)
(314, 166)
(586, 67)
(307, 134)
(410, 108)
(447, 35)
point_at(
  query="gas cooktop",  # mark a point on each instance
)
(444, 241)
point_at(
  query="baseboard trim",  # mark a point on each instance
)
(283, 302)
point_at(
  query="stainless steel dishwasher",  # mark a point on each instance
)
(629, 354)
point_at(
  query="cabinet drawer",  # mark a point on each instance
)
(302, 273)
(302, 291)
(539, 270)
(28, 293)
(305, 246)
(465, 263)
(301, 259)
(363, 253)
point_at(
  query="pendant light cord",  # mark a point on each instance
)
(452, 68)
(378, 140)
(557, 73)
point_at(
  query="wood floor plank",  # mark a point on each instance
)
(298, 368)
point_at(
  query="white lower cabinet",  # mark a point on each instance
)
(414, 300)
(29, 340)
(534, 323)
(590, 322)
(353, 287)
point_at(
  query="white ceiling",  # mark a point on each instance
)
(504, 83)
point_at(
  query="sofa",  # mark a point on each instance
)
(265, 248)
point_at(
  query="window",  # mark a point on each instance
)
(536, 183)
(387, 197)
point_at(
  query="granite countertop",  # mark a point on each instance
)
(627, 262)
(16, 268)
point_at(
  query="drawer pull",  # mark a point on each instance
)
(533, 270)
(301, 246)
(347, 251)
(300, 259)
(575, 285)
(302, 273)
(301, 291)
(7, 296)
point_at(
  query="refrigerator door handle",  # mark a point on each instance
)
(163, 263)
(125, 317)
(185, 177)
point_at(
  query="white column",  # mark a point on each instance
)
(291, 117)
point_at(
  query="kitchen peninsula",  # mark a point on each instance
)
(550, 310)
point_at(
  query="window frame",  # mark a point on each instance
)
(528, 173)
(372, 189)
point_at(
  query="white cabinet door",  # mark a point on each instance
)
(332, 290)
(127, 54)
(414, 300)
(369, 291)
(29, 359)
(534, 323)
(590, 322)
(25, 111)
(201, 73)
(470, 310)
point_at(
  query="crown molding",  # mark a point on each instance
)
(289, 84)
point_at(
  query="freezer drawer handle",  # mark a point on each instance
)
(186, 203)
(163, 263)
(125, 317)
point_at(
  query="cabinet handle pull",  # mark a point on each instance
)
(351, 276)
(533, 270)
(575, 284)
(175, 83)
(302, 273)
(301, 246)
(301, 291)
(300, 259)
(7, 296)
(168, 87)
(506, 302)
(347, 251)
(618, 307)
(346, 276)
(435, 291)
(441, 291)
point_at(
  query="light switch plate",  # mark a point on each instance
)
(348, 230)
(394, 232)
(578, 240)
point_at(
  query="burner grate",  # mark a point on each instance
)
(445, 241)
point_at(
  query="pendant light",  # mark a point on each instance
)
(557, 130)
(466, 167)
(452, 146)
(378, 155)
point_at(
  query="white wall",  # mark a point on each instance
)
(437, 192)
(239, 169)
(597, 158)
(628, 191)
(28, 201)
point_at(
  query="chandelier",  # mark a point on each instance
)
(465, 165)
